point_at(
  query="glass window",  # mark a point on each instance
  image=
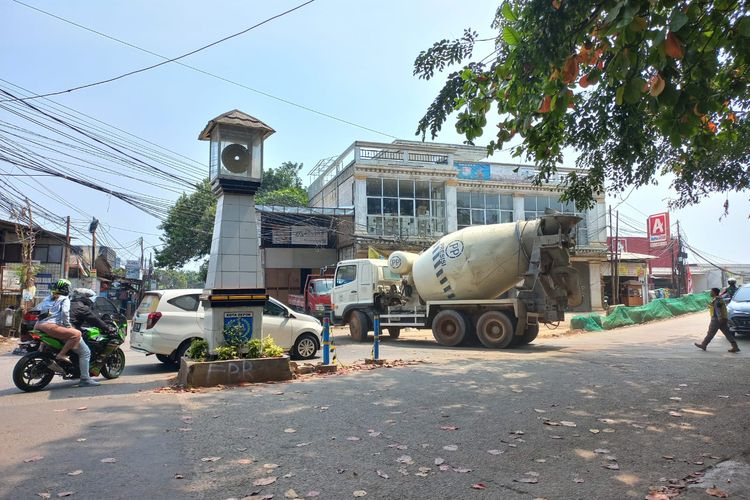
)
(464, 217)
(390, 188)
(406, 207)
(463, 199)
(492, 216)
(390, 206)
(438, 209)
(423, 208)
(346, 274)
(272, 309)
(477, 200)
(529, 203)
(422, 189)
(373, 206)
(149, 303)
(438, 191)
(491, 201)
(374, 187)
(55, 253)
(477, 216)
(506, 216)
(322, 286)
(185, 302)
(40, 254)
(406, 189)
(506, 202)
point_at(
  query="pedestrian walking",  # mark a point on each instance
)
(718, 310)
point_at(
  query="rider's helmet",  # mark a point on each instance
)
(732, 281)
(82, 293)
(62, 287)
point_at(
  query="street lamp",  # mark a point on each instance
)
(234, 293)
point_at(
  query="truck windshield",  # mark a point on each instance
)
(322, 286)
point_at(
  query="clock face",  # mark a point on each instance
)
(235, 158)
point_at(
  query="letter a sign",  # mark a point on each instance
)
(658, 230)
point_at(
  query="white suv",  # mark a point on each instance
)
(167, 321)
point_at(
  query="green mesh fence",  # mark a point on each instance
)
(656, 309)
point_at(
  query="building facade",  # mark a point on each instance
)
(407, 194)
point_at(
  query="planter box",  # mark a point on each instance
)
(233, 371)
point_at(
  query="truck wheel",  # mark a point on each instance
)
(528, 335)
(495, 330)
(358, 323)
(394, 332)
(449, 327)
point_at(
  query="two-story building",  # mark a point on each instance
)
(407, 194)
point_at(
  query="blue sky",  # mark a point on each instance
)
(350, 59)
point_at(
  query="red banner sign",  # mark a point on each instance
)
(658, 230)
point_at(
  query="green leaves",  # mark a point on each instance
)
(694, 55)
(511, 36)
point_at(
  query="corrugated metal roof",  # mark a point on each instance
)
(236, 118)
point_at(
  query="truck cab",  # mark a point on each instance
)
(354, 285)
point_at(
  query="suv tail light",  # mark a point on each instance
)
(152, 319)
(31, 316)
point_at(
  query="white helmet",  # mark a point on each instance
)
(86, 293)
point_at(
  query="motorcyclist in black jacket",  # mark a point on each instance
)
(81, 314)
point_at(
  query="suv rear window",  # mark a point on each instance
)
(186, 302)
(149, 303)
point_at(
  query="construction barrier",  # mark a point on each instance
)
(656, 309)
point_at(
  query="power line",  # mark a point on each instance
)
(141, 70)
(212, 75)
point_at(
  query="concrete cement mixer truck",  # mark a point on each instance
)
(455, 286)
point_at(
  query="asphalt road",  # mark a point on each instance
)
(594, 416)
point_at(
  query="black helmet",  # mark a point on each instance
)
(62, 287)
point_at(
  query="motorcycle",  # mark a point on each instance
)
(35, 371)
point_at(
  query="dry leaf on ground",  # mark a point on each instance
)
(359, 493)
(675, 414)
(613, 466)
(289, 430)
(179, 476)
(77, 472)
(313, 493)
(209, 459)
(270, 466)
(479, 486)
(83, 408)
(439, 461)
(265, 481)
(657, 495)
(717, 492)
(566, 423)
(382, 474)
(291, 494)
(81, 440)
(65, 494)
(495, 452)
(529, 480)
(449, 427)
(405, 459)
(601, 451)
(35, 458)
(450, 447)
(44, 495)
(461, 470)
(352, 438)
(113, 460)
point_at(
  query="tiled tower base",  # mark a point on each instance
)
(235, 275)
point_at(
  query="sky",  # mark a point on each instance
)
(352, 60)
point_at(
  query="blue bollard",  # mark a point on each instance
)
(376, 342)
(326, 340)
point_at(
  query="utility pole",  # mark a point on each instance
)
(66, 262)
(92, 229)
(617, 257)
(142, 254)
(680, 268)
(25, 233)
(612, 243)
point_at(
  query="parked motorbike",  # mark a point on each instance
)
(35, 370)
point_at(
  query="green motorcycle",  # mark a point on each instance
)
(35, 371)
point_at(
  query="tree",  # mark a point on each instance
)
(190, 222)
(173, 278)
(637, 87)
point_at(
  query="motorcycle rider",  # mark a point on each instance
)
(55, 322)
(81, 314)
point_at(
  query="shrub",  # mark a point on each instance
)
(198, 350)
(266, 349)
(226, 352)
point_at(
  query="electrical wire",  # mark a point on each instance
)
(147, 68)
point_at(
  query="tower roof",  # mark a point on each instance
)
(236, 118)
